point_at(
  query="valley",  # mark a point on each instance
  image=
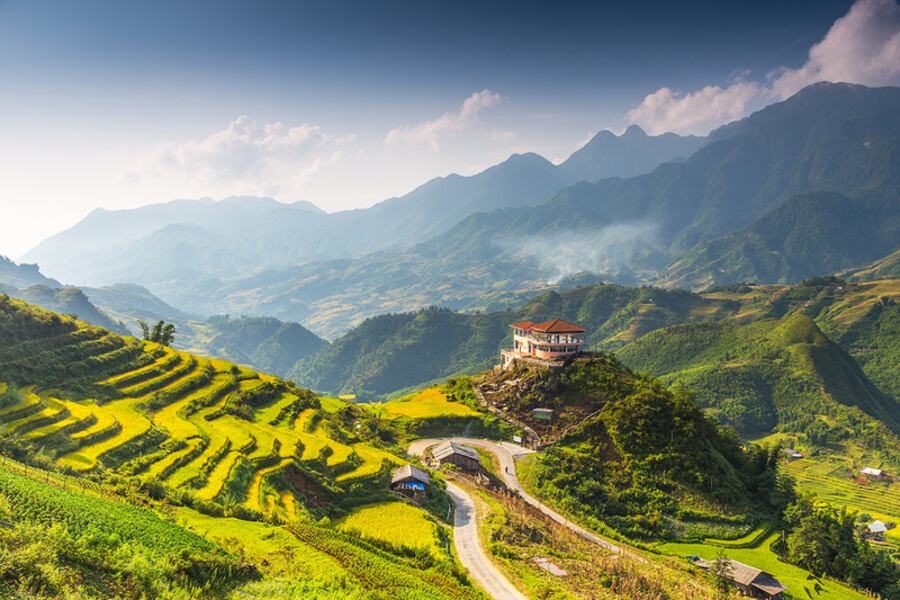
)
(662, 365)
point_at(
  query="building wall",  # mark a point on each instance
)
(462, 462)
(539, 344)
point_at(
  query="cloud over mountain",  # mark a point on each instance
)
(449, 124)
(862, 47)
(247, 156)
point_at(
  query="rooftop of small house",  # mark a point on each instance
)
(410, 472)
(877, 527)
(553, 326)
(445, 449)
(749, 576)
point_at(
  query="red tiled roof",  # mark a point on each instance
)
(522, 325)
(557, 326)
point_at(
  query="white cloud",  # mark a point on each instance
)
(447, 125)
(696, 112)
(862, 47)
(245, 157)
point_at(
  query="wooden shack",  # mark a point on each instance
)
(750, 581)
(409, 481)
(452, 453)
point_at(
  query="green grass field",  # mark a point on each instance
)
(800, 583)
(260, 541)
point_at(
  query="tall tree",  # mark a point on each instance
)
(144, 329)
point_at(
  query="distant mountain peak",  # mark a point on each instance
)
(632, 153)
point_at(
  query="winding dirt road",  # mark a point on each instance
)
(471, 554)
(507, 453)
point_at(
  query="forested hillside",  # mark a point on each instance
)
(393, 352)
(816, 232)
(780, 375)
(24, 275)
(638, 459)
(68, 301)
(261, 342)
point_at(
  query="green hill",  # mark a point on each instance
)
(24, 275)
(634, 458)
(883, 268)
(263, 343)
(68, 301)
(782, 375)
(391, 352)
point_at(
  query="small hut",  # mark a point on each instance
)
(876, 530)
(409, 481)
(462, 456)
(750, 581)
(872, 472)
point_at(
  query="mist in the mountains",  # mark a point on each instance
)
(611, 249)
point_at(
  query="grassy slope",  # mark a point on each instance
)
(165, 417)
(800, 583)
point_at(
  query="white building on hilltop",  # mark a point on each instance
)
(551, 340)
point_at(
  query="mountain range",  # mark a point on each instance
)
(802, 187)
(165, 246)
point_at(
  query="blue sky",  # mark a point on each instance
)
(343, 104)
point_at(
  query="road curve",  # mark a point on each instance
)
(471, 554)
(506, 453)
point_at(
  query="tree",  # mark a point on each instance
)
(168, 334)
(144, 329)
(720, 575)
(163, 333)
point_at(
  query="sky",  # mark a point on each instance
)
(344, 104)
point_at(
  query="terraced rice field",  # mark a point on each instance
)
(164, 393)
(426, 404)
(267, 414)
(253, 492)
(372, 460)
(133, 424)
(394, 522)
(828, 480)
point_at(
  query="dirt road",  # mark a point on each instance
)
(471, 554)
(506, 453)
